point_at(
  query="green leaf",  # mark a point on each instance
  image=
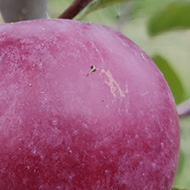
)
(177, 188)
(182, 177)
(98, 4)
(149, 7)
(171, 77)
(180, 163)
(174, 16)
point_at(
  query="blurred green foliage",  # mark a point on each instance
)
(172, 78)
(162, 29)
(174, 16)
(177, 188)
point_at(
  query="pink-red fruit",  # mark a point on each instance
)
(82, 108)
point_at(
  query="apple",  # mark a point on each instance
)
(82, 108)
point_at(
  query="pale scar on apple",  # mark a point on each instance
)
(112, 83)
(142, 55)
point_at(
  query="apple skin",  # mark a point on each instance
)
(64, 127)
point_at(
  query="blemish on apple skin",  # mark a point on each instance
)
(144, 93)
(142, 55)
(127, 90)
(30, 84)
(69, 149)
(34, 152)
(93, 69)
(112, 83)
(82, 45)
(42, 92)
(154, 165)
(55, 122)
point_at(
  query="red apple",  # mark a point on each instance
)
(82, 108)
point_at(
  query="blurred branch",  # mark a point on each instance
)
(74, 9)
(183, 109)
(17, 10)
